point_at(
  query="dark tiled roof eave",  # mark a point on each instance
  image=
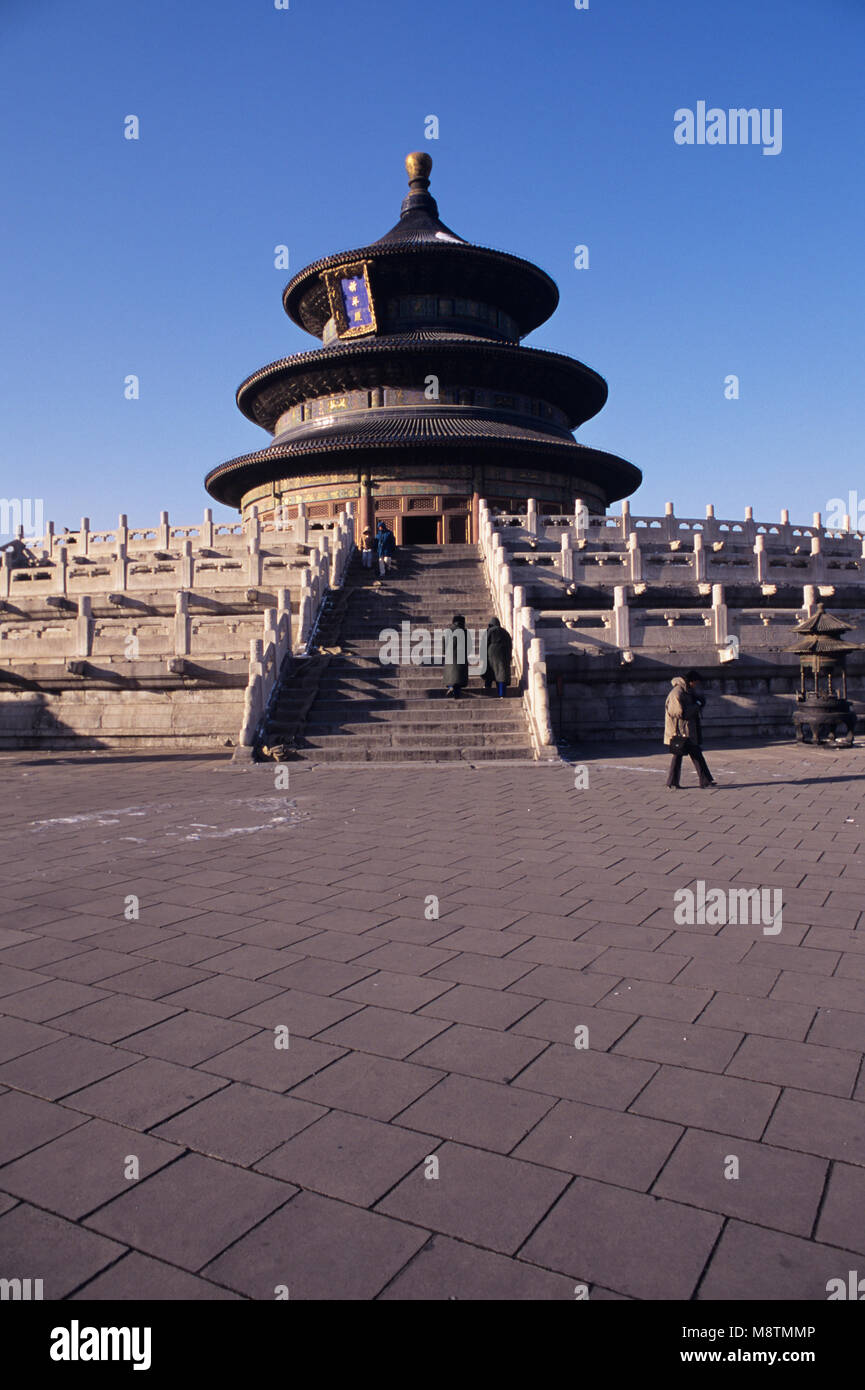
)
(576, 458)
(822, 646)
(543, 289)
(412, 344)
(409, 424)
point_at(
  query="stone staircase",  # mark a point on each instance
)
(342, 705)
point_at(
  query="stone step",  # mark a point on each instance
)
(443, 742)
(377, 670)
(372, 600)
(422, 602)
(412, 705)
(387, 688)
(355, 720)
(410, 702)
(340, 754)
(370, 625)
(363, 710)
(373, 642)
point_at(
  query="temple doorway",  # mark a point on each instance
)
(420, 530)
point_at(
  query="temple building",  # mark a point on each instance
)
(421, 400)
(263, 634)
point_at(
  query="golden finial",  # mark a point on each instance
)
(418, 165)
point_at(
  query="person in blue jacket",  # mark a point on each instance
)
(385, 545)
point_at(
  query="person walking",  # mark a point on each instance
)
(366, 547)
(683, 730)
(456, 667)
(499, 649)
(385, 544)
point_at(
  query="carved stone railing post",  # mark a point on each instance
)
(181, 623)
(254, 559)
(253, 706)
(719, 615)
(621, 618)
(520, 616)
(187, 566)
(283, 623)
(252, 525)
(270, 637)
(84, 626)
(120, 566)
(61, 570)
(568, 556)
(699, 559)
(635, 557)
(567, 560)
(328, 560)
(538, 699)
(818, 563)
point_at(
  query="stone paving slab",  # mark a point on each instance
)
(447, 1044)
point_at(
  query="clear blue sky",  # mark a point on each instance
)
(260, 127)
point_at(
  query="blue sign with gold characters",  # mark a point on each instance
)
(351, 301)
(355, 297)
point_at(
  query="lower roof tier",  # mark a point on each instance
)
(408, 438)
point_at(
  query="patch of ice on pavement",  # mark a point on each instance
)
(97, 816)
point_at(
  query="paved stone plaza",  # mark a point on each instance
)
(156, 1038)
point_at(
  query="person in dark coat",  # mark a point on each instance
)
(682, 723)
(366, 547)
(456, 667)
(498, 663)
(385, 544)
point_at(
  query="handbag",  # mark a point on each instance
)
(679, 743)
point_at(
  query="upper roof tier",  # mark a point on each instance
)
(421, 256)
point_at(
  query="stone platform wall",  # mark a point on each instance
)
(614, 607)
(168, 636)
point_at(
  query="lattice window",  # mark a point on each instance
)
(455, 504)
(318, 509)
(387, 504)
(422, 504)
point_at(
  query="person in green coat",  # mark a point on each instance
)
(456, 664)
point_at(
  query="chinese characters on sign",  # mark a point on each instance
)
(355, 297)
